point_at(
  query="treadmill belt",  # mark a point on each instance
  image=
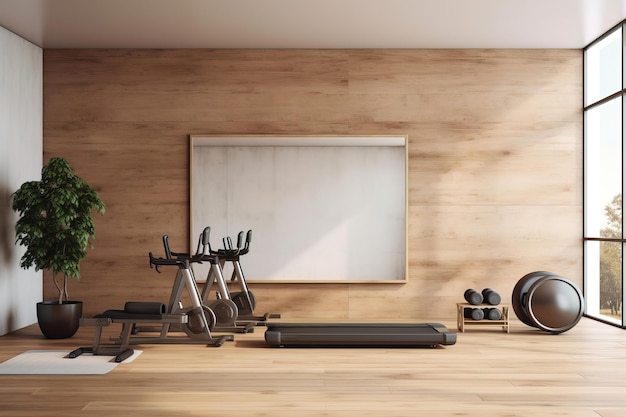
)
(358, 334)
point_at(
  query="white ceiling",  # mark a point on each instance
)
(311, 23)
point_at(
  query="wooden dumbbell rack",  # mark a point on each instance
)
(462, 321)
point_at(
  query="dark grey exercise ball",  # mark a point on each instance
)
(548, 301)
(519, 295)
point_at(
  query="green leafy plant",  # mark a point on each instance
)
(56, 223)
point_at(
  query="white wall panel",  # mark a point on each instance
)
(21, 145)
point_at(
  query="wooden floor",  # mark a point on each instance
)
(487, 373)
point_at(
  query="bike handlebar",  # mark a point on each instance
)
(182, 260)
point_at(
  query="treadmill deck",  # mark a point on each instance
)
(358, 334)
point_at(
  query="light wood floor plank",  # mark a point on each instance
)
(487, 373)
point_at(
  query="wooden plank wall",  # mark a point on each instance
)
(495, 159)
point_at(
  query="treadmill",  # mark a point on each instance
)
(358, 335)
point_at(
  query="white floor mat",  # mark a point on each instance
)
(56, 362)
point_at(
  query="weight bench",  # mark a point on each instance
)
(135, 313)
(120, 350)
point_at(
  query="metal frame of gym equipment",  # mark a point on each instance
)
(226, 311)
(195, 321)
(244, 299)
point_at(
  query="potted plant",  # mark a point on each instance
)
(56, 226)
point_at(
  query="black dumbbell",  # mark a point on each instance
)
(491, 297)
(474, 313)
(473, 296)
(492, 313)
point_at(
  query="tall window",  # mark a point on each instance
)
(604, 118)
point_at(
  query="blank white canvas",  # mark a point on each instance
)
(322, 213)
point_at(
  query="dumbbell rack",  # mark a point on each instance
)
(462, 321)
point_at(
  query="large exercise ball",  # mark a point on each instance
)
(548, 302)
(520, 292)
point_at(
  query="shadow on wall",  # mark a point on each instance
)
(7, 244)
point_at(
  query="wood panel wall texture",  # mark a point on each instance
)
(495, 160)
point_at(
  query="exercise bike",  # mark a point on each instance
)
(224, 310)
(244, 299)
(196, 320)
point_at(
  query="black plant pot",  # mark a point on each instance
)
(59, 321)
